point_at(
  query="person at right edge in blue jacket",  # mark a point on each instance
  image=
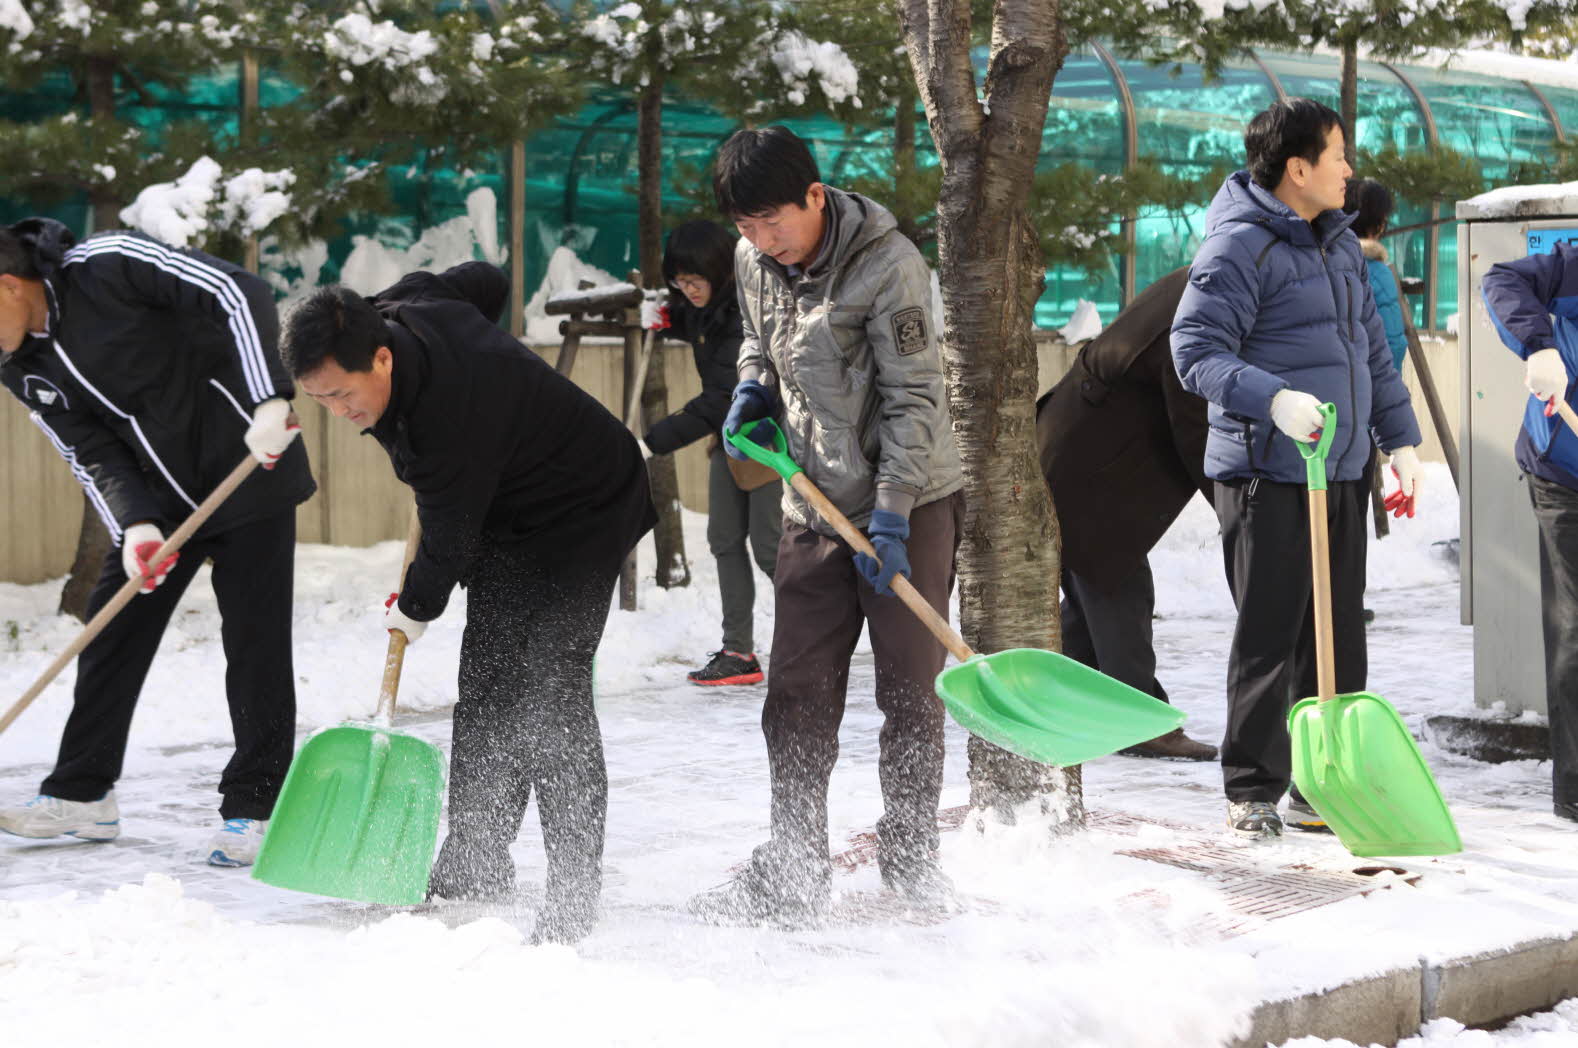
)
(1277, 319)
(1534, 305)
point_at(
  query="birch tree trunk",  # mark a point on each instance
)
(991, 274)
(672, 567)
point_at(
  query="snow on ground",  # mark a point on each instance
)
(1057, 945)
(1557, 1028)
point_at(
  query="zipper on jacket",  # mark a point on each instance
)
(1353, 393)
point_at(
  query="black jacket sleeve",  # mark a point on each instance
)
(195, 284)
(105, 467)
(704, 413)
(482, 284)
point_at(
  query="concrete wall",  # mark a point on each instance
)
(360, 502)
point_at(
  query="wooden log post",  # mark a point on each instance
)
(1427, 381)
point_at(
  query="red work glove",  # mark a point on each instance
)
(1405, 467)
(138, 546)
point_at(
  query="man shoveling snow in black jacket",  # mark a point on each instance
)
(530, 494)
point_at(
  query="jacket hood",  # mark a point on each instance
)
(1373, 250)
(1241, 200)
(854, 221)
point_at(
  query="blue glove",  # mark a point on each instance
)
(888, 531)
(752, 401)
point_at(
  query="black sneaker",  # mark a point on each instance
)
(728, 667)
(1254, 819)
(1301, 816)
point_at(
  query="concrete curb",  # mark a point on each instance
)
(1477, 990)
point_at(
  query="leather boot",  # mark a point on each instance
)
(1176, 746)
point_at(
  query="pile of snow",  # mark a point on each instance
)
(565, 273)
(171, 970)
(373, 265)
(176, 212)
(202, 202)
(799, 60)
(1550, 198)
(1084, 324)
(1547, 71)
(255, 198)
(13, 16)
(1557, 1028)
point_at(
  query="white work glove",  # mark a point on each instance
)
(1546, 376)
(138, 546)
(273, 427)
(395, 619)
(646, 452)
(1405, 467)
(1298, 415)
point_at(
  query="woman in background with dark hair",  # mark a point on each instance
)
(743, 499)
(1373, 204)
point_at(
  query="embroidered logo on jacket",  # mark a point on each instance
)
(44, 391)
(909, 330)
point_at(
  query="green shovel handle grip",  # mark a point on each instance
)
(776, 457)
(1315, 454)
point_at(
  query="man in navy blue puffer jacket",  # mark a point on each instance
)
(1277, 319)
(1534, 304)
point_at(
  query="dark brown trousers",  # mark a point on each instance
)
(821, 604)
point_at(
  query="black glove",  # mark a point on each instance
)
(888, 531)
(752, 401)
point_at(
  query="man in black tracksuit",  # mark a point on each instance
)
(530, 494)
(153, 372)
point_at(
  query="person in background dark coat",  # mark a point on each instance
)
(698, 263)
(530, 495)
(1123, 449)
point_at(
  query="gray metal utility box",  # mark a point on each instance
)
(1500, 552)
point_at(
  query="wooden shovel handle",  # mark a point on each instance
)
(394, 661)
(124, 595)
(1568, 415)
(1320, 564)
(633, 413)
(901, 586)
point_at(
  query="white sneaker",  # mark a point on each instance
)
(46, 816)
(237, 842)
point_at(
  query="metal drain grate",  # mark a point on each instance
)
(1253, 893)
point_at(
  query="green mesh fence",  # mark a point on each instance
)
(581, 172)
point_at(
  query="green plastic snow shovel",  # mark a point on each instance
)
(1353, 758)
(358, 815)
(1038, 704)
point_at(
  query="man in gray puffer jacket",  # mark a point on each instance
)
(839, 349)
(1277, 319)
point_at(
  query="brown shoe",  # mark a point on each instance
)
(1174, 746)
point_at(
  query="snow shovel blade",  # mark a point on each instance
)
(357, 818)
(1358, 766)
(1049, 708)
